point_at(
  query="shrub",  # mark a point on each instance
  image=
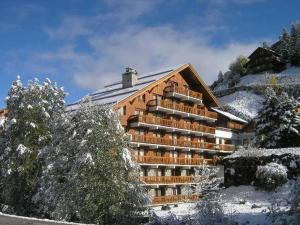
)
(271, 176)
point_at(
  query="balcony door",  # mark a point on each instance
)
(176, 172)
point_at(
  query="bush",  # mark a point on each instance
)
(271, 176)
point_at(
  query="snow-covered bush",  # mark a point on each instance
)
(271, 176)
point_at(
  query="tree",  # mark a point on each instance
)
(237, 69)
(278, 124)
(31, 110)
(295, 44)
(285, 45)
(88, 176)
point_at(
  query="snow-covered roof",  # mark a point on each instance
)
(113, 93)
(229, 115)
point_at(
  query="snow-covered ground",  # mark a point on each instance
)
(288, 76)
(244, 102)
(243, 204)
(6, 219)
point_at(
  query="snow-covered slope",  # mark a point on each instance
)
(289, 76)
(244, 102)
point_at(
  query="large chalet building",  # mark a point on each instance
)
(174, 126)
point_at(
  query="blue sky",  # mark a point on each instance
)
(84, 44)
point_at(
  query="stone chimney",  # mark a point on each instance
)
(129, 78)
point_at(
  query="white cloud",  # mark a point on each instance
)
(148, 49)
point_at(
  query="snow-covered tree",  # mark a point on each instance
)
(295, 44)
(28, 129)
(278, 124)
(285, 45)
(89, 176)
(237, 69)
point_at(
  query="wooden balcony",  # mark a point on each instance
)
(171, 125)
(184, 94)
(185, 111)
(174, 198)
(171, 143)
(166, 179)
(235, 126)
(173, 160)
(225, 147)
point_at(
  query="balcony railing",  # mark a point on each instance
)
(235, 126)
(173, 160)
(184, 110)
(225, 147)
(173, 124)
(172, 142)
(174, 198)
(166, 179)
(183, 93)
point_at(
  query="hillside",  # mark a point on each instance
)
(246, 95)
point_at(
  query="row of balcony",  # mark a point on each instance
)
(146, 140)
(166, 179)
(171, 125)
(173, 160)
(174, 198)
(184, 94)
(185, 111)
(235, 126)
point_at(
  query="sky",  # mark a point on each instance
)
(84, 44)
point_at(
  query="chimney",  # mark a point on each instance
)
(129, 78)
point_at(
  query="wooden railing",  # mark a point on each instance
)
(235, 126)
(174, 198)
(225, 147)
(172, 160)
(172, 142)
(166, 179)
(183, 108)
(171, 123)
(183, 91)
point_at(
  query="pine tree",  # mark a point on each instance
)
(88, 177)
(31, 110)
(278, 124)
(285, 45)
(295, 44)
(267, 120)
(289, 129)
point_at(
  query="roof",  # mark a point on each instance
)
(262, 49)
(114, 93)
(229, 115)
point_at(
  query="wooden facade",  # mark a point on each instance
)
(263, 59)
(172, 131)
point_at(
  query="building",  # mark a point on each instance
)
(172, 120)
(264, 59)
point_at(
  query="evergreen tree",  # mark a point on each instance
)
(289, 129)
(88, 176)
(31, 111)
(278, 124)
(285, 45)
(295, 44)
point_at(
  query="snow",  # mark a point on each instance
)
(244, 102)
(243, 204)
(33, 125)
(13, 220)
(21, 149)
(264, 152)
(13, 121)
(229, 115)
(289, 76)
(2, 121)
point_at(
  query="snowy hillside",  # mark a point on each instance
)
(289, 76)
(244, 102)
(243, 97)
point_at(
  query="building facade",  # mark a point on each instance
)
(172, 127)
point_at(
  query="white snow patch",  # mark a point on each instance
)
(244, 102)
